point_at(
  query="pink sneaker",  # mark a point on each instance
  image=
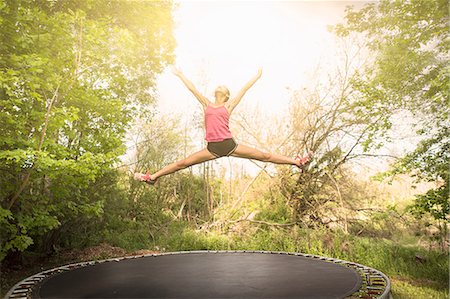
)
(304, 161)
(144, 178)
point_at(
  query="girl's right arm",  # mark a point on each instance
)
(202, 99)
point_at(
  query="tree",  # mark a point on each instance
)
(72, 76)
(409, 40)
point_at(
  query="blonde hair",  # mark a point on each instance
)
(223, 89)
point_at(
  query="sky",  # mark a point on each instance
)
(225, 42)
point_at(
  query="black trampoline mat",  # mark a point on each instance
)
(205, 275)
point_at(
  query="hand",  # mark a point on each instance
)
(175, 70)
(259, 72)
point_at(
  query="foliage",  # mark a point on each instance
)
(72, 75)
(409, 40)
(324, 121)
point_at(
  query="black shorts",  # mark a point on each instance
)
(222, 148)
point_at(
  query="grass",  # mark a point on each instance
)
(417, 288)
(409, 277)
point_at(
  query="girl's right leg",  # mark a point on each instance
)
(196, 158)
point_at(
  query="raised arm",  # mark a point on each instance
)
(202, 99)
(232, 103)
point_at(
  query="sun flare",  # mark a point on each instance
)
(226, 42)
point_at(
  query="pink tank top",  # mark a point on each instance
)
(216, 123)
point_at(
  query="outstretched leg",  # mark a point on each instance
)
(244, 151)
(196, 158)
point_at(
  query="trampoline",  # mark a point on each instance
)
(208, 274)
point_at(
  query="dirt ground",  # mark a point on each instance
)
(11, 275)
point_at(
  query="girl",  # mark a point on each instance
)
(220, 141)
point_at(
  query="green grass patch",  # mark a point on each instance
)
(409, 275)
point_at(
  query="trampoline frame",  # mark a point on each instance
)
(375, 284)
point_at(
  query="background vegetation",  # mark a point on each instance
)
(76, 76)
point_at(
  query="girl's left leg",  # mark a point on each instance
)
(244, 151)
